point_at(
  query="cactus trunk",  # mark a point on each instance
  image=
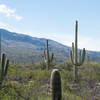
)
(3, 68)
(76, 73)
(75, 67)
(0, 47)
(56, 85)
(76, 27)
(48, 61)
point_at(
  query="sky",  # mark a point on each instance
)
(54, 19)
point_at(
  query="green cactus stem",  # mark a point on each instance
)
(3, 68)
(47, 58)
(56, 88)
(74, 54)
(0, 47)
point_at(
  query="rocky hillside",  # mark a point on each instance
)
(22, 48)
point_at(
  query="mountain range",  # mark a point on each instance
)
(21, 48)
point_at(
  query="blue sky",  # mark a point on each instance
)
(54, 19)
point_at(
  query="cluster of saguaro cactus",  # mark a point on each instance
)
(56, 88)
(76, 61)
(3, 68)
(48, 60)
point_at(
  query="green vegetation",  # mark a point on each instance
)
(26, 82)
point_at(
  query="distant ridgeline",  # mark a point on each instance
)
(26, 49)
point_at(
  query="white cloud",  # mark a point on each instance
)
(9, 12)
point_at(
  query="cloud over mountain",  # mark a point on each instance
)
(7, 12)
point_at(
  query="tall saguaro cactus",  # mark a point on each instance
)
(3, 68)
(56, 85)
(0, 47)
(76, 61)
(47, 57)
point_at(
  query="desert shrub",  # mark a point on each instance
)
(64, 66)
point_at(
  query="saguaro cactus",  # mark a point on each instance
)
(56, 85)
(74, 54)
(0, 47)
(47, 58)
(3, 68)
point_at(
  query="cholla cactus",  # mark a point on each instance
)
(3, 68)
(56, 85)
(74, 54)
(48, 60)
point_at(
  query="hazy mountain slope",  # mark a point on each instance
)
(24, 48)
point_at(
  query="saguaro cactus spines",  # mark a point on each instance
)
(47, 57)
(74, 56)
(56, 85)
(3, 68)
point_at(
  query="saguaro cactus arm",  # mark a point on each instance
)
(71, 55)
(83, 56)
(3, 64)
(6, 68)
